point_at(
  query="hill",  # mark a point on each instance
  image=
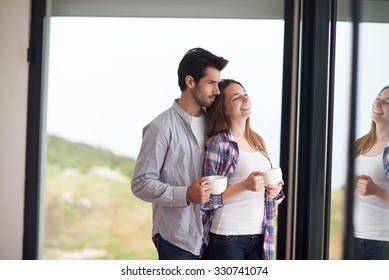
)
(64, 153)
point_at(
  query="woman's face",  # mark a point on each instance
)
(237, 102)
(380, 109)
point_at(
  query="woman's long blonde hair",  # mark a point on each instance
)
(364, 144)
(218, 121)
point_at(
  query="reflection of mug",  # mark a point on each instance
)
(273, 176)
(217, 183)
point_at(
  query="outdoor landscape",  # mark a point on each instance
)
(90, 212)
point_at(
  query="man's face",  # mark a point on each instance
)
(206, 88)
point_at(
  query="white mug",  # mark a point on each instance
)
(273, 176)
(217, 183)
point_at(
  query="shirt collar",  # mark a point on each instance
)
(182, 113)
(230, 137)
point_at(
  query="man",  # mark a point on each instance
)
(169, 165)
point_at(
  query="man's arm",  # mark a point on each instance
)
(146, 183)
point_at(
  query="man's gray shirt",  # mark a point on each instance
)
(168, 162)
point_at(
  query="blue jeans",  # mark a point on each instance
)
(366, 249)
(168, 251)
(234, 247)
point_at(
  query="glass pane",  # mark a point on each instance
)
(108, 77)
(371, 214)
(371, 203)
(341, 120)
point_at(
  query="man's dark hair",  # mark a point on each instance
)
(194, 63)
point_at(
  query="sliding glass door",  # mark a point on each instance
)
(100, 70)
(107, 74)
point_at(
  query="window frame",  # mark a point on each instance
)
(306, 105)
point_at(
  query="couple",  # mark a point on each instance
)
(207, 132)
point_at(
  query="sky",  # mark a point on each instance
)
(108, 77)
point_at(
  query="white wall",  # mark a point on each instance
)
(14, 35)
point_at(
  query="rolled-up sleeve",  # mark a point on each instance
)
(212, 164)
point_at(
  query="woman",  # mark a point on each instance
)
(243, 227)
(371, 206)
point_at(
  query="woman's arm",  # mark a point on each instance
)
(366, 186)
(254, 182)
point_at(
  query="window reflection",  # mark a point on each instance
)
(340, 136)
(373, 60)
(371, 200)
(371, 206)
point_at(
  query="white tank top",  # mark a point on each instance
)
(245, 213)
(371, 215)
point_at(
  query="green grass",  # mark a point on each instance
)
(336, 224)
(115, 226)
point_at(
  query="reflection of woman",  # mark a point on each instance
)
(242, 228)
(371, 209)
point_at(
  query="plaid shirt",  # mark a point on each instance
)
(221, 158)
(386, 164)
